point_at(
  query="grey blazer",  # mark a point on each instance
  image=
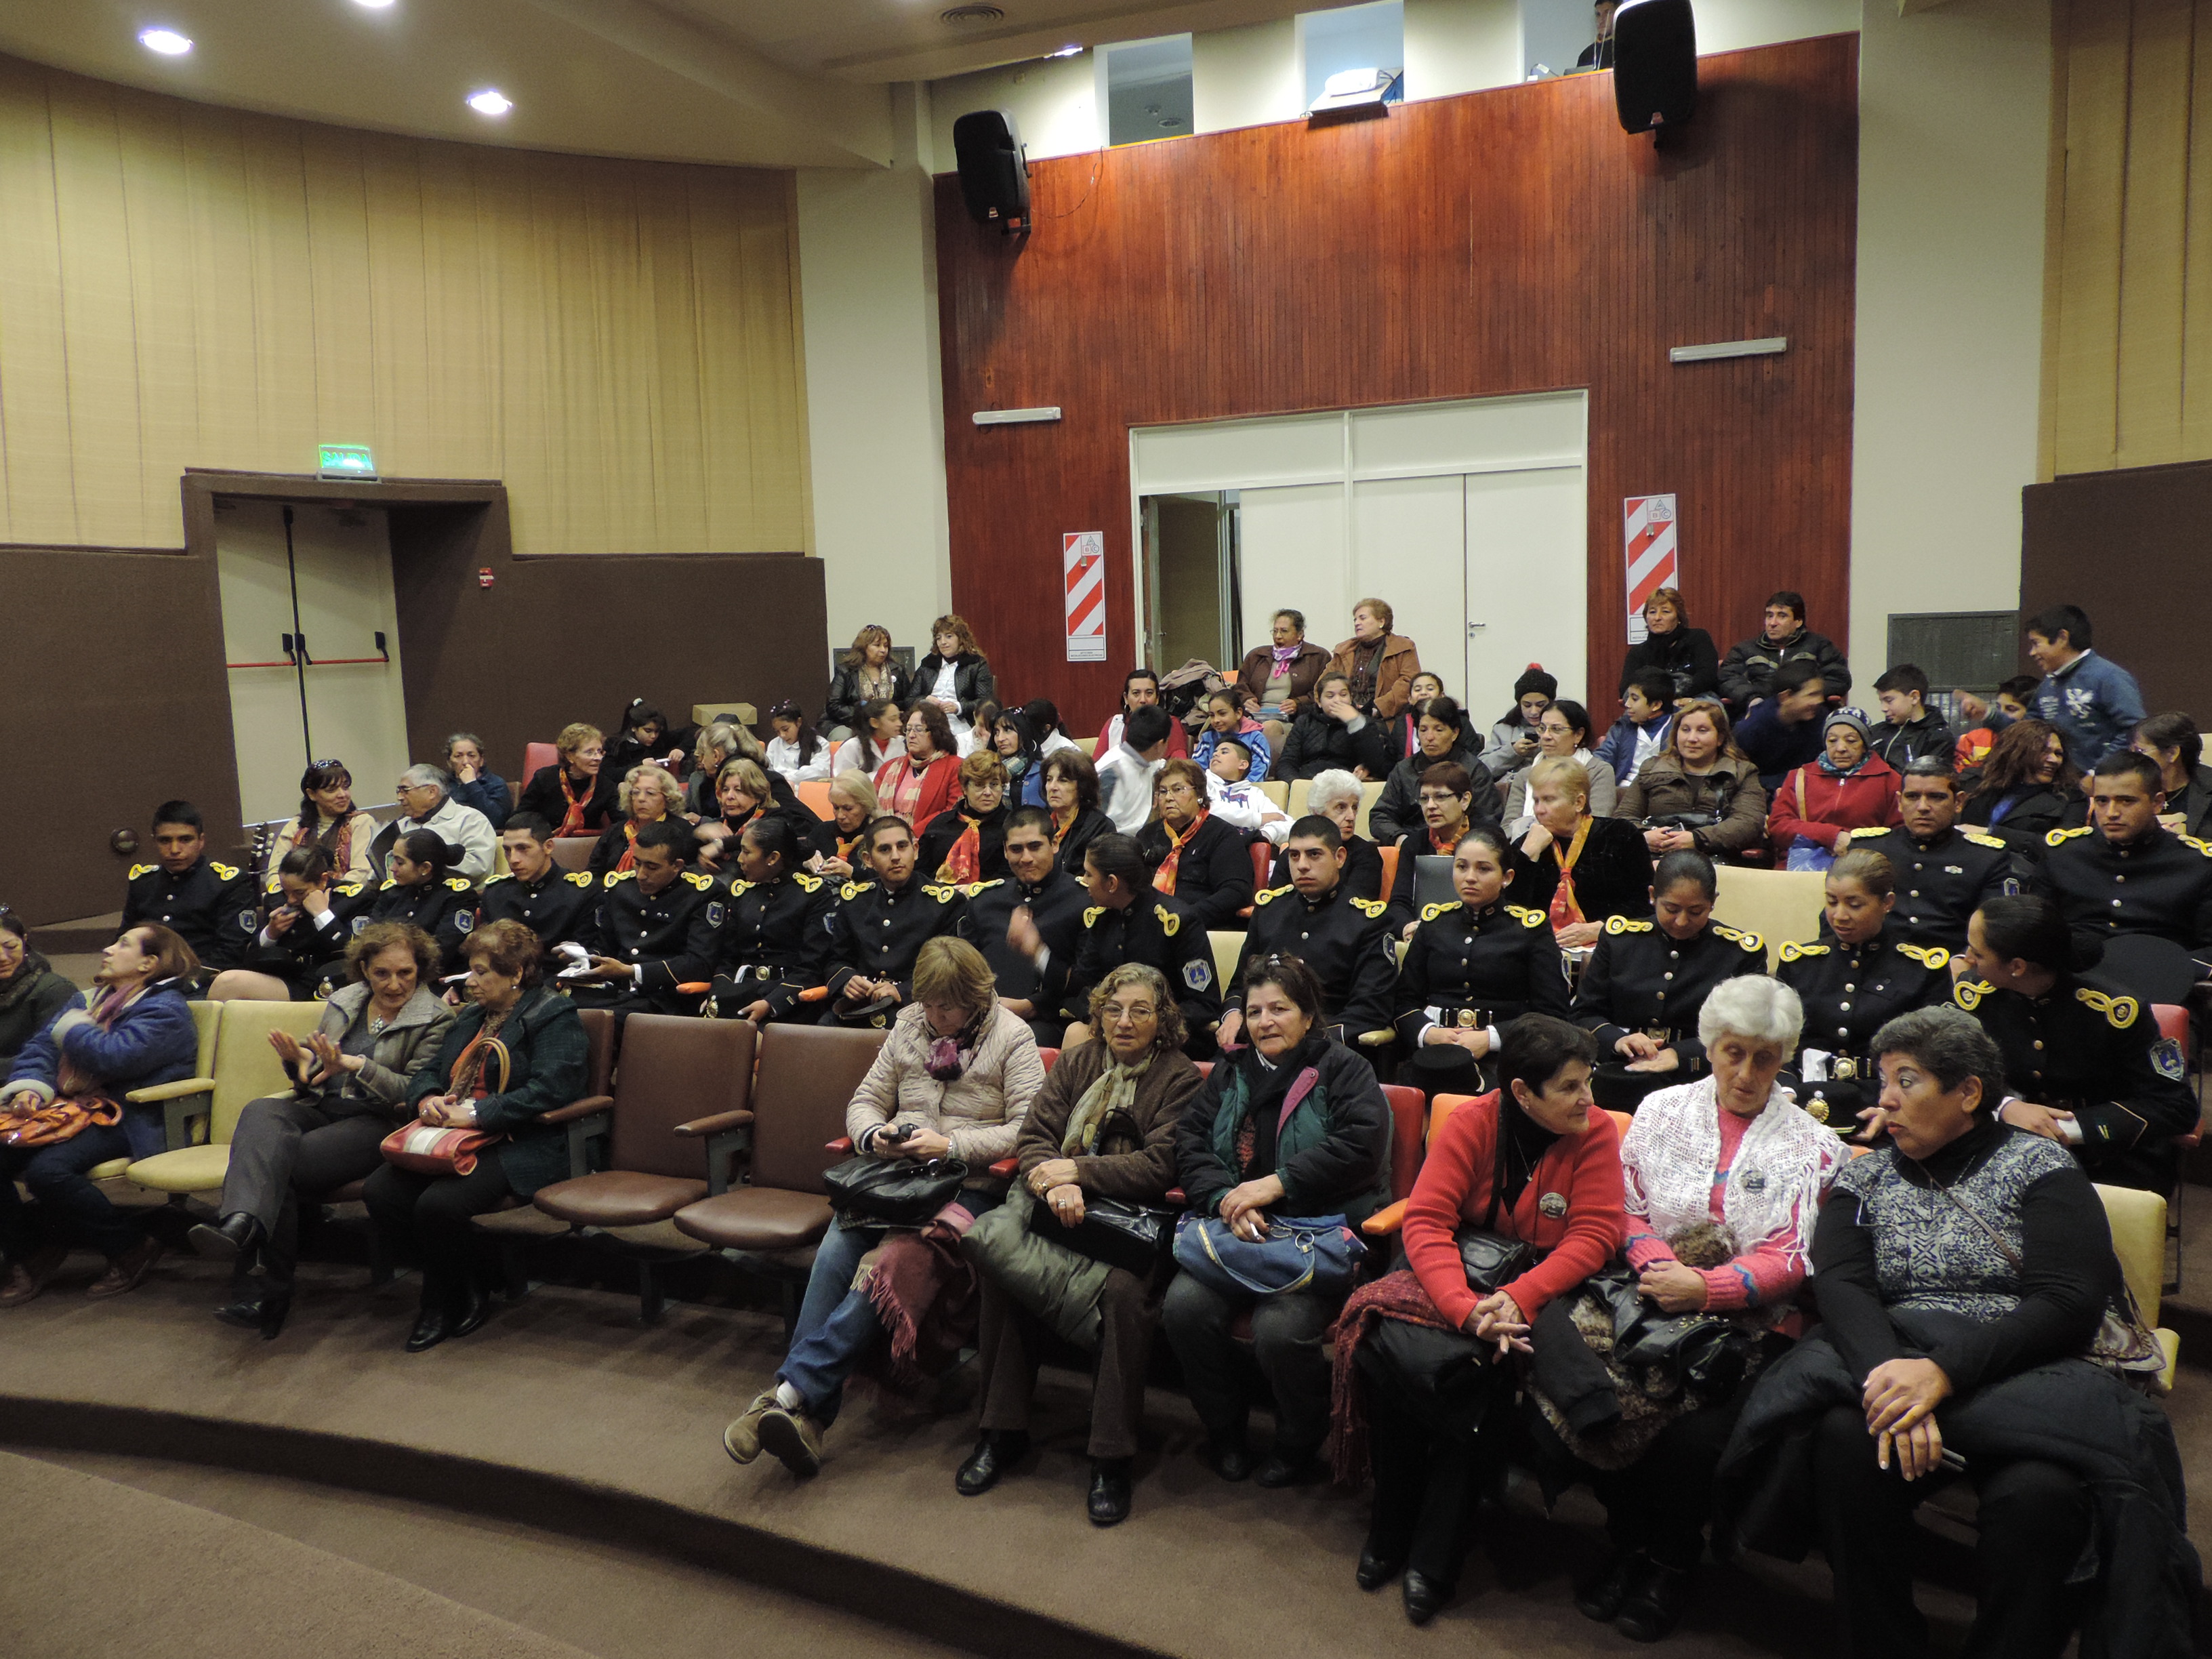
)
(398, 1051)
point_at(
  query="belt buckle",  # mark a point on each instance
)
(1661, 1035)
(1842, 1068)
(1467, 1019)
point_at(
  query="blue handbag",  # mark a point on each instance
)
(1313, 1253)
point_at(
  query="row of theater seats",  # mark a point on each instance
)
(715, 1135)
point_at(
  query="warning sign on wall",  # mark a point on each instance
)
(1648, 532)
(1083, 573)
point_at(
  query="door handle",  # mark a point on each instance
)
(1472, 628)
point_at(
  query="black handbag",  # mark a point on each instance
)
(897, 1192)
(1706, 1353)
(1491, 1260)
(1134, 1237)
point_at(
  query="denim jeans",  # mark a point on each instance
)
(66, 1208)
(836, 1323)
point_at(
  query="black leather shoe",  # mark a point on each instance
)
(244, 1309)
(238, 1235)
(471, 1309)
(432, 1326)
(1602, 1599)
(1231, 1459)
(1654, 1602)
(276, 1307)
(1293, 1471)
(1108, 1503)
(1424, 1597)
(996, 1451)
(1378, 1567)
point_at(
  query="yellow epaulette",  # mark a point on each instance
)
(1269, 895)
(2204, 846)
(139, 870)
(737, 887)
(459, 883)
(229, 871)
(1858, 835)
(1431, 912)
(1983, 840)
(1527, 917)
(582, 877)
(494, 881)
(1619, 924)
(351, 889)
(976, 887)
(1171, 923)
(615, 877)
(942, 895)
(1091, 914)
(853, 889)
(386, 884)
(1968, 993)
(2060, 837)
(2119, 1012)
(806, 884)
(1928, 956)
(1793, 951)
(1749, 941)
(702, 882)
(1369, 908)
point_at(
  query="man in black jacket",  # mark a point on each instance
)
(654, 932)
(1909, 730)
(1053, 901)
(1345, 940)
(1747, 671)
(207, 905)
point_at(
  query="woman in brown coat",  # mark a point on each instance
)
(1379, 664)
(1703, 779)
(1103, 1127)
(1275, 679)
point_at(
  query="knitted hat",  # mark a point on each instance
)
(1852, 717)
(1535, 679)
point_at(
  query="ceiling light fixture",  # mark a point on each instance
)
(373, 5)
(167, 42)
(490, 101)
(1067, 51)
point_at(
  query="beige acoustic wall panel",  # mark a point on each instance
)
(186, 286)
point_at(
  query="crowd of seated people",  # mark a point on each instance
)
(1035, 935)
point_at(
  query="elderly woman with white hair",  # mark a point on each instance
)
(1336, 796)
(1722, 1180)
(649, 794)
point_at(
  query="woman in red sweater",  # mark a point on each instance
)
(1813, 809)
(924, 780)
(1534, 1161)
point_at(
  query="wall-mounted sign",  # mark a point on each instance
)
(1650, 554)
(1083, 581)
(346, 461)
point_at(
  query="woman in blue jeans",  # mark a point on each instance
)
(954, 1079)
(137, 1032)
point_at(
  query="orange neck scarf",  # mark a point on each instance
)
(1566, 910)
(1164, 879)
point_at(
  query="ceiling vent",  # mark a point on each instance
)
(969, 17)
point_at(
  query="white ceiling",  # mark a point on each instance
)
(759, 82)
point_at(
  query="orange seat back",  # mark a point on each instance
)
(1263, 861)
(1048, 1055)
(814, 794)
(1405, 1137)
(536, 757)
(2173, 1021)
(1389, 869)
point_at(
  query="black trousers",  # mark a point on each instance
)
(1287, 1341)
(1426, 1442)
(1660, 1504)
(425, 1219)
(2034, 1519)
(1011, 1340)
(285, 1149)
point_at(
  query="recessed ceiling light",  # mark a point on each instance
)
(167, 42)
(1066, 51)
(490, 101)
(373, 5)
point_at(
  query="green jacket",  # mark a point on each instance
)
(549, 1055)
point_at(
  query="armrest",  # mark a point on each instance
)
(695, 987)
(815, 994)
(1376, 1039)
(590, 1105)
(1385, 1221)
(717, 1124)
(1175, 1198)
(842, 1146)
(1005, 1167)
(177, 1091)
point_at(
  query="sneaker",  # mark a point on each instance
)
(742, 1439)
(792, 1438)
(27, 1277)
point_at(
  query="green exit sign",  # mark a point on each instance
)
(347, 461)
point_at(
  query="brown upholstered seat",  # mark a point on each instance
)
(673, 1070)
(807, 1076)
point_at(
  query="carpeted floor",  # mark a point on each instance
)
(562, 1419)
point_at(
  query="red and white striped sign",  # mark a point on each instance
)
(1083, 572)
(1649, 533)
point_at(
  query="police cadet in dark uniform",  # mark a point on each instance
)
(1345, 940)
(1130, 920)
(210, 906)
(1646, 980)
(1054, 901)
(653, 932)
(2124, 872)
(774, 943)
(882, 923)
(1858, 976)
(419, 891)
(1944, 874)
(556, 904)
(302, 944)
(2083, 1060)
(1473, 965)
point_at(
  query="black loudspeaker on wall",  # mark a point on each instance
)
(994, 174)
(1654, 64)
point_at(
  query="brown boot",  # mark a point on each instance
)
(27, 1277)
(125, 1271)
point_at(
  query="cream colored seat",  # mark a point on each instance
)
(1088, 745)
(246, 1068)
(1227, 947)
(184, 1101)
(1778, 905)
(1368, 794)
(1278, 791)
(706, 713)
(2138, 1223)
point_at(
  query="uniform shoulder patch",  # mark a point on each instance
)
(458, 884)
(2060, 837)
(229, 871)
(1090, 915)
(1983, 840)
(1431, 912)
(582, 877)
(1171, 923)
(2166, 1058)
(1928, 956)
(942, 895)
(2204, 846)
(852, 889)
(1749, 941)
(2120, 1011)
(1269, 895)
(1793, 951)
(1369, 908)
(806, 884)
(1525, 916)
(139, 870)
(1619, 924)
(1968, 993)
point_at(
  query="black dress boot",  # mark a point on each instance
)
(1108, 1504)
(996, 1451)
(238, 1235)
(434, 1322)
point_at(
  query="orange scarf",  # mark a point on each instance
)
(572, 822)
(628, 859)
(1446, 848)
(964, 862)
(1164, 879)
(1566, 911)
(1060, 830)
(904, 790)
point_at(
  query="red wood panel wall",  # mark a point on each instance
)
(1508, 241)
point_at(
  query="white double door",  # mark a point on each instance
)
(333, 586)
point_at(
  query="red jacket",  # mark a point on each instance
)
(940, 788)
(1865, 800)
(1452, 1191)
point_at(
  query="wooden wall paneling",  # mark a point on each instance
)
(2197, 247)
(1503, 242)
(2085, 401)
(2154, 223)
